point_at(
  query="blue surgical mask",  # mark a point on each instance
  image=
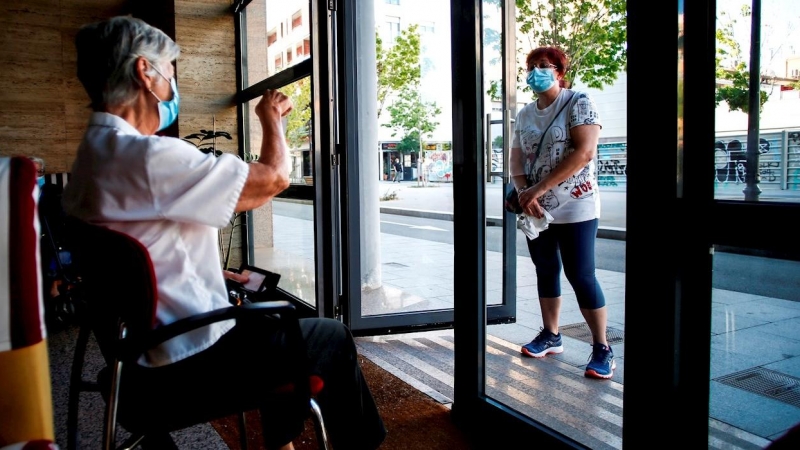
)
(167, 110)
(541, 80)
(40, 181)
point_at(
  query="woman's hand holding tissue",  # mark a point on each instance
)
(529, 200)
(531, 226)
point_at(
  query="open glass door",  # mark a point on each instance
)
(398, 210)
(500, 81)
(398, 229)
(551, 391)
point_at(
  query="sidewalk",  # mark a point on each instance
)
(745, 367)
(435, 201)
(755, 348)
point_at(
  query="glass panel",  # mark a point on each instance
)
(278, 36)
(493, 195)
(776, 129)
(493, 154)
(755, 349)
(755, 341)
(555, 390)
(298, 126)
(406, 156)
(284, 228)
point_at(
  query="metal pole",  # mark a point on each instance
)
(752, 177)
(419, 156)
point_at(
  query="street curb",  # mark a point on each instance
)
(491, 221)
(423, 213)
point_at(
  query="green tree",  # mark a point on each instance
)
(398, 65)
(412, 117)
(409, 144)
(592, 34)
(299, 119)
(497, 142)
(731, 66)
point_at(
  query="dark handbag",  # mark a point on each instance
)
(511, 203)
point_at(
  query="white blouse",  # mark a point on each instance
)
(172, 198)
(564, 202)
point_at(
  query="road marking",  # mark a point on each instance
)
(424, 227)
(428, 227)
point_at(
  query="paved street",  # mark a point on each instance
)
(438, 197)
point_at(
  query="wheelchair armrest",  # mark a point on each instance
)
(132, 347)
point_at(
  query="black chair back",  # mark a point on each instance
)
(119, 284)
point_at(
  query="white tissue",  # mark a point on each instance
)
(532, 226)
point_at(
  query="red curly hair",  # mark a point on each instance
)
(553, 54)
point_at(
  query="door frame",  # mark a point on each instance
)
(671, 270)
(325, 192)
(350, 300)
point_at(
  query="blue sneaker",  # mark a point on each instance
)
(545, 342)
(601, 362)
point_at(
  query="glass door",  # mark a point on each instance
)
(551, 390)
(284, 45)
(754, 347)
(399, 174)
(501, 76)
(709, 304)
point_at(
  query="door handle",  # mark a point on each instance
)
(488, 146)
(508, 126)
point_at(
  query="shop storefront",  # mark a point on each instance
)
(436, 162)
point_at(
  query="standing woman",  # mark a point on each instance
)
(553, 170)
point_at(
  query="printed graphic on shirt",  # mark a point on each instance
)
(556, 146)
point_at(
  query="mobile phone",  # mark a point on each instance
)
(260, 280)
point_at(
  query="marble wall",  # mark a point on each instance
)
(44, 107)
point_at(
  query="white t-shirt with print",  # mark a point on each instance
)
(577, 199)
(173, 199)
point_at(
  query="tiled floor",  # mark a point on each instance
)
(91, 407)
(748, 332)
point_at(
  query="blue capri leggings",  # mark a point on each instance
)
(573, 244)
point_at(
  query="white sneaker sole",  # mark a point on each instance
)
(542, 354)
(593, 374)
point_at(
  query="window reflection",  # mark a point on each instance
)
(284, 228)
(297, 126)
(755, 345)
(773, 147)
(278, 37)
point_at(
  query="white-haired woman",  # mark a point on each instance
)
(173, 198)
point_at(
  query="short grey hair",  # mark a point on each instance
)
(38, 161)
(107, 54)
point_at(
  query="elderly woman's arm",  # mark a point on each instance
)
(269, 175)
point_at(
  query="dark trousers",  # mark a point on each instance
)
(572, 244)
(241, 371)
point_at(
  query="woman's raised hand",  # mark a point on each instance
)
(273, 103)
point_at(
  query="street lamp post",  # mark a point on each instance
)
(752, 176)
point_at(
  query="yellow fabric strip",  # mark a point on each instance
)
(26, 399)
